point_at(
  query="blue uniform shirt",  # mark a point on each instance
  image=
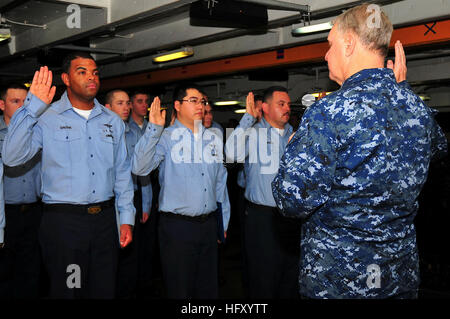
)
(2, 207)
(261, 146)
(355, 168)
(217, 126)
(83, 161)
(22, 183)
(132, 135)
(191, 171)
(241, 178)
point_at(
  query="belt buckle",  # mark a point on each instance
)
(94, 210)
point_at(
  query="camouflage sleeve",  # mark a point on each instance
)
(307, 167)
(404, 84)
(439, 146)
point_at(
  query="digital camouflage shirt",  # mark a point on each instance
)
(353, 171)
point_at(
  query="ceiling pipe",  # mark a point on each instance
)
(280, 5)
(88, 49)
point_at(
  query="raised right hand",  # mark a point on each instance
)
(156, 116)
(251, 108)
(41, 86)
(399, 67)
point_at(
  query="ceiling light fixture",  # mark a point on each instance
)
(173, 55)
(224, 103)
(5, 34)
(240, 111)
(312, 28)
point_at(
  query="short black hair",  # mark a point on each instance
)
(109, 96)
(139, 91)
(72, 56)
(13, 85)
(258, 97)
(180, 91)
(268, 93)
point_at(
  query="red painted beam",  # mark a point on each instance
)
(418, 35)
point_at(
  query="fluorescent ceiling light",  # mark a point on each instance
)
(223, 103)
(424, 97)
(5, 34)
(173, 55)
(313, 28)
(240, 111)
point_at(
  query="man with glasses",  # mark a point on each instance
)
(193, 180)
(270, 240)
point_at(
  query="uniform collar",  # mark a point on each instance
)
(132, 122)
(378, 74)
(178, 124)
(264, 123)
(64, 104)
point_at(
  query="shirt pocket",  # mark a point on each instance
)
(67, 142)
(67, 135)
(108, 139)
(64, 154)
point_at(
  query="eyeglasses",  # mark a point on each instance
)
(196, 101)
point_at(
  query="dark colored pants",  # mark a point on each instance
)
(241, 205)
(148, 251)
(127, 273)
(188, 256)
(80, 247)
(20, 260)
(272, 249)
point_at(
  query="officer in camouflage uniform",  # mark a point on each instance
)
(355, 167)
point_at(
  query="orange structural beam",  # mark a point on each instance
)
(434, 32)
(427, 33)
